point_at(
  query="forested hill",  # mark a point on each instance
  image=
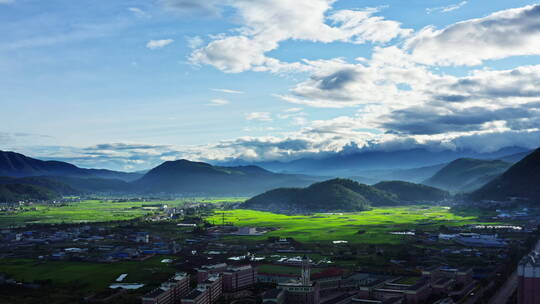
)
(521, 180)
(411, 193)
(329, 196)
(467, 174)
(20, 192)
(185, 176)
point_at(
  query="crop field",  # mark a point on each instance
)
(90, 276)
(94, 211)
(369, 227)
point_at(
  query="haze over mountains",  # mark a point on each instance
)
(180, 177)
(183, 177)
(467, 174)
(413, 164)
(522, 180)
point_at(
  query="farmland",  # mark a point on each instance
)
(94, 211)
(368, 227)
(91, 276)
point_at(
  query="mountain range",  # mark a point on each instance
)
(18, 165)
(180, 177)
(183, 177)
(522, 180)
(414, 165)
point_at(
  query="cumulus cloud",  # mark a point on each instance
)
(337, 83)
(513, 32)
(158, 44)
(267, 23)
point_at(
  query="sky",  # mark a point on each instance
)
(128, 84)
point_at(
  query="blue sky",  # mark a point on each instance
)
(128, 84)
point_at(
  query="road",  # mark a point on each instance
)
(509, 287)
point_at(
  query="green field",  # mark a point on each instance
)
(369, 227)
(94, 211)
(90, 276)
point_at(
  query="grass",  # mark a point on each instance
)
(92, 276)
(375, 224)
(94, 211)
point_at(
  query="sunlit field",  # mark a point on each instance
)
(372, 227)
(95, 211)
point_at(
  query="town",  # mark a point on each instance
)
(213, 261)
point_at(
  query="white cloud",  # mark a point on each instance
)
(447, 9)
(228, 91)
(158, 44)
(137, 12)
(513, 32)
(195, 42)
(7, 1)
(259, 116)
(267, 23)
(219, 102)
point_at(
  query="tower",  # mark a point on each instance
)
(306, 271)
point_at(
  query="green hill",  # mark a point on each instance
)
(521, 180)
(19, 192)
(329, 196)
(409, 192)
(189, 177)
(467, 174)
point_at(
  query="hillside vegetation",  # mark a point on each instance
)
(19, 192)
(185, 176)
(413, 193)
(521, 180)
(329, 196)
(467, 174)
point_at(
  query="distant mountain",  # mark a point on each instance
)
(521, 180)
(108, 174)
(19, 192)
(48, 183)
(467, 174)
(187, 177)
(413, 193)
(359, 164)
(514, 158)
(17, 165)
(328, 196)
(413, 175)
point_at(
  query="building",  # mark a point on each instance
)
(274, 296)
(214, 284)
(205, 271)
(478, 240)
(169, 292)
(302, 291)
(237, 278)
(529, 279)
(197, 296)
